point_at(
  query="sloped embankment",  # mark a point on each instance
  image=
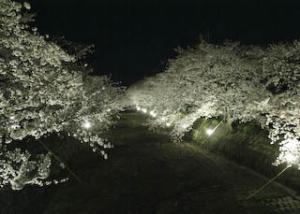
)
(246, 144)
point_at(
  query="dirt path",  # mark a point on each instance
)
(147, 173)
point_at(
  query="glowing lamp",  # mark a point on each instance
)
(209, 131)
(87, 124)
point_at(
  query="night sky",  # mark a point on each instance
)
(135, 38)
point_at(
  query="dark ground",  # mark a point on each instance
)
(147, 173)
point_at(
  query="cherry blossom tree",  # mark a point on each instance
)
(229, 81)
(44, 90)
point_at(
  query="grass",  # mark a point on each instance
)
(246, 144)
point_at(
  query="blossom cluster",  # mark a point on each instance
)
(44, 90)
(229, 81)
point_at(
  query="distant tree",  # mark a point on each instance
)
(230, 81)
(43, 90)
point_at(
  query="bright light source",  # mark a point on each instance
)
(87, 124)
(209, 131)
(168, 124)
(12, 117)
(144, 110)
(138, 108)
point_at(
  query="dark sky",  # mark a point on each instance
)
(134, 38)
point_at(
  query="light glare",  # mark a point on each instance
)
(209, 131)
(87, 124)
